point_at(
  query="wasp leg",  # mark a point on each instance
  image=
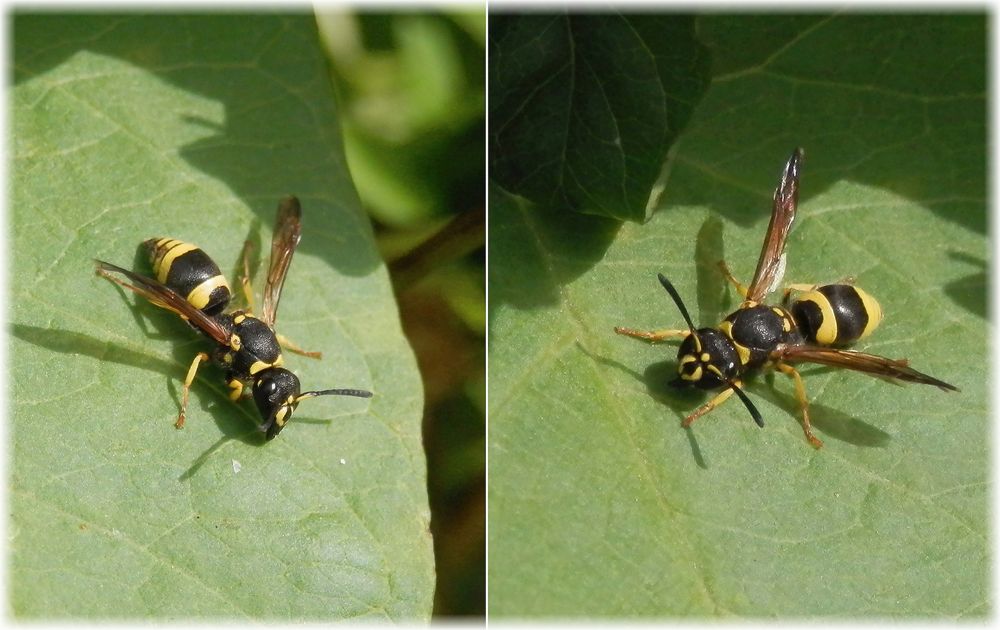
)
(245, 276)
(722, 397)
(201, 356)
(801, 288)
(729, 276)
(800, 393)
(652, 336)
(289, 345)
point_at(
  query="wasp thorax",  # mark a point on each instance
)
(706, 359)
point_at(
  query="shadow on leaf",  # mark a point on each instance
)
(68, 342)
(540, 249)
(267, 127)
(831, 422)
(969, 291)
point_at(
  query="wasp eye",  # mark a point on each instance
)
(266, 386)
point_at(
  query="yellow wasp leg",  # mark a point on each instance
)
(722, 397)
(800, 393)
(729, 276)
(287, 344)
(201, 356)
(652, 336)
(245, 276)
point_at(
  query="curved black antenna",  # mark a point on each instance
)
(749, 405)
(360, 393)
(687, 318)
(677, 299)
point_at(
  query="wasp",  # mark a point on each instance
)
(812, 328)
(190, 284)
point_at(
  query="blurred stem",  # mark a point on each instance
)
(462, 235)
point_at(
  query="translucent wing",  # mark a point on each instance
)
(771, 264)
(165, 297)
(287, 232)
(858, 361)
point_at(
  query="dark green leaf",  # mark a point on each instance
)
(584, 107)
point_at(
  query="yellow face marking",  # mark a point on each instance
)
(705, 358)
(874, 310)
(281, 416)
(236, 389)
(716, 371)
(199, 297)
(169, 256)
(693, 376)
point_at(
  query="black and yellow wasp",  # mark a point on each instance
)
(757, 335)
(190, 284)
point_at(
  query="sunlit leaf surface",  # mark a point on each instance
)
(128, 127)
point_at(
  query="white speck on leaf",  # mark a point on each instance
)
(236, 466)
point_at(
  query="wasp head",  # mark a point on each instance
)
(706, 359)
(276, 394)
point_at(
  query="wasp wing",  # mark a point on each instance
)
(858, 361)
(287, 232)
(167, 298)
(770, 265)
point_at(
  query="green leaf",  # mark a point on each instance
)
(584, 107)
(601, 505)
(128, 127)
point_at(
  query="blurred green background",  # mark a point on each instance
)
(411, 88)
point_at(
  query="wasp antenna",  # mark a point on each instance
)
(749, 405)
(677, 299)
(360, 393)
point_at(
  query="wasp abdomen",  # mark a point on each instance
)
(836, 314)
(189, 271)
